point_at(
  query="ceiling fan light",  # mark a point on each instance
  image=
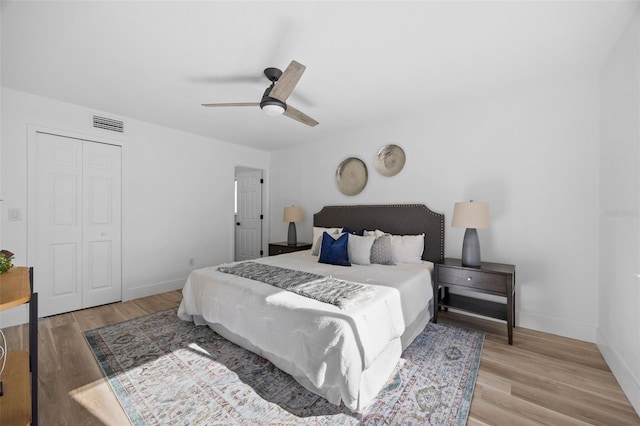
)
(273, 109)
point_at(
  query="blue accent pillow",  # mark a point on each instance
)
(348, 230)
(334, 252)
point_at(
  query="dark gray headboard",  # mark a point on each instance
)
(397, 219)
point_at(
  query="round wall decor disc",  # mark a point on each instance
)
(390, 160)
(351, 176)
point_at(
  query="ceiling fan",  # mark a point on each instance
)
(275, 97)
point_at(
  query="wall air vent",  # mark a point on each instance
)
(108, 124)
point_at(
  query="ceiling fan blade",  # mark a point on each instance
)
(300, 116)
(287, 81)
(212, 79)
(233, 104)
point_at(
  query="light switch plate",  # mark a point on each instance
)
(15, 214)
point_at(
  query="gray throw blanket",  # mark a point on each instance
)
(341, 293)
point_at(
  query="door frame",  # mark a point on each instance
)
(265, 210)
(32, 131)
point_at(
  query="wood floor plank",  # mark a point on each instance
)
(493, 381)
(541, 379)
(552, 393)
(158, 302)
(487, 411)
(519, 411)
(557, 340)
(535, 365)
(475, 422)
(571, 402)
(17, 337)
(588, 356)
(98, 401)
(129, 310)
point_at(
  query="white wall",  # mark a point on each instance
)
(619, 326)
(1, 205)
(532, 154)
(177, 191)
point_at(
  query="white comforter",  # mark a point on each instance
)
(343, 355)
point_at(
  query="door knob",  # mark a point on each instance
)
(238, 223)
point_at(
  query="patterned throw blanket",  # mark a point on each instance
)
(343, 294)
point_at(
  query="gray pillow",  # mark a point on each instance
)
(381, 252)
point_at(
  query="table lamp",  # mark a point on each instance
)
(292, 215)
(471, 215)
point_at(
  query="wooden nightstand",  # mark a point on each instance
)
(283, 247)
(490, 278)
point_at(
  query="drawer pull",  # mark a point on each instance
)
(469, 279)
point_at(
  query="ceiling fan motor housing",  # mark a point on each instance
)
(270, 105)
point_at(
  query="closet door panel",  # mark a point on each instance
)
(58, 223)
(102, 243)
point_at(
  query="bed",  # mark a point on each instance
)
(344, 355)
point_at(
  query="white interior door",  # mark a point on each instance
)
(78, 223)
(248, 235)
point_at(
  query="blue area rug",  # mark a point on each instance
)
(166, 371)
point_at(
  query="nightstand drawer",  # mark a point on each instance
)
(283, 247)
(496, 283)
(275, 250)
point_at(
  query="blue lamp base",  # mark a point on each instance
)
(471, 248)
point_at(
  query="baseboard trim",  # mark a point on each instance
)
(628, 381)
(558, 326)
(151, 289)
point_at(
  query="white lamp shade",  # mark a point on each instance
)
(293, 214)
(472, 214)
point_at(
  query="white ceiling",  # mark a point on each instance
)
(366, 61)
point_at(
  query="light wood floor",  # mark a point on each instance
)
(541, 379)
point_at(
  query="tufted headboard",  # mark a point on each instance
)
(397, 219)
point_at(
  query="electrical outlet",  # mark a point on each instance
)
(192, 261)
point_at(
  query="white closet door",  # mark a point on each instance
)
(58, 263)
(78, 224)
(101, 278)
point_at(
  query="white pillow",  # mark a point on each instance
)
(317, 237)
(359, 249)
(407, 248)
(375, 233)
